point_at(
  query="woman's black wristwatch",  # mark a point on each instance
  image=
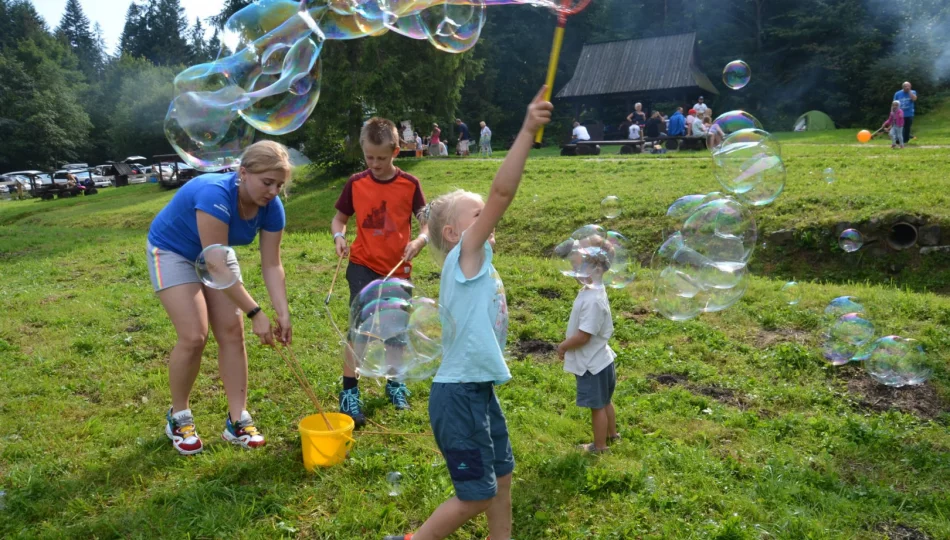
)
(253, 313)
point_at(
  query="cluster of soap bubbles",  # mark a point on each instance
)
(267, 75)
(396, 335)
(749, 160)
(736, 74)
(597, 257)
(217, 266)
(890, 360)
(701, 268)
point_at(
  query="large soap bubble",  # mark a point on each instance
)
(267, 76)
(722, 230)
(736, 74)
(684, 206)
(842, 305)
(395, 335)
(846, 338)
(897, 361)
(217, 266)
(733, 121)
(749, 165)
(597, 257)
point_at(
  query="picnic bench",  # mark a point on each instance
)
(628, 146)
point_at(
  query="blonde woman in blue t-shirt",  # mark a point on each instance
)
(464, 412)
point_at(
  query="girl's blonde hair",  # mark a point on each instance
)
(266, 156)
(898, 103)
(441, 212)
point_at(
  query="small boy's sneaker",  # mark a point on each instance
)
(352, 406)
(180, 428)
(243, 432)
(398, 394)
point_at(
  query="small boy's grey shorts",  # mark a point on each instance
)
(596, 391)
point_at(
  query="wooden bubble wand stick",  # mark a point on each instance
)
(563, 12)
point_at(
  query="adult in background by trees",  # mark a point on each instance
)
(465, 138)
(434, 140)
(677, 124)
(701, 108)
(638, 117)
(484, 142)
(579, 134)
(908, 99)
(226, 209)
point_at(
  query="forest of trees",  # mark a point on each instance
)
(64, 98)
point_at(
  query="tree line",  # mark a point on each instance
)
(64, 98)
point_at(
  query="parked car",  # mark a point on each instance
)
(23, 178)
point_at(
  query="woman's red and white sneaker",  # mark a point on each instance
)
(180, 428)
(243, 432)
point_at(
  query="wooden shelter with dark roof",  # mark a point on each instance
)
(650, 70)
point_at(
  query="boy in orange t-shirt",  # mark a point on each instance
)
(383, 200)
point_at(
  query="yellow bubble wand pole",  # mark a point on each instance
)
(567, 8)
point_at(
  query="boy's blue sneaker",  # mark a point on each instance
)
(242, 433)
(398, 394)
(352, 406)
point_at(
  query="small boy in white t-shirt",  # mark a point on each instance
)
(634, 132)
(586, 353)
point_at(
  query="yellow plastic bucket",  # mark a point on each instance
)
(322, 448)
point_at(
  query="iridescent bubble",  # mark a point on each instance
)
(397, 336)
(623, 264)
(394, 479)
(610, 207)
(829, 175)
(749, 165)
(684, 206)
(736, 74)
(897, 361)
(846, 337)
(217, 266)
(723, 231)
(850, 240)
(733, 121)
(791, 293)
(842, 305)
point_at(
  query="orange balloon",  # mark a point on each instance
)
(864, 136)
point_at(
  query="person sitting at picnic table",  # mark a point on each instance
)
(579, 134)
(634, 133)
(690, 117)
(653, 125)
(714, 133)
(698, 129)
(677, 124)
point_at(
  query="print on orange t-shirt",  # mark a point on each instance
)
(383, 212)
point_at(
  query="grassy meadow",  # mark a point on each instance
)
(733, 425)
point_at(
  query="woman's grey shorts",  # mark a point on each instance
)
(168, 269)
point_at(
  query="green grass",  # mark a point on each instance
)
(750, 435)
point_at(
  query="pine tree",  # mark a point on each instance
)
(214, 45)
(167, 31)
(74, 30)
(199, 49)
(129, 42)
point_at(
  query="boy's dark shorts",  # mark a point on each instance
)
(596, 391)
(471, 432)
(358, 277)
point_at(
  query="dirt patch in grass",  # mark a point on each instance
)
(668, 379)
(922, 400)
(135, 327)
(767, 338)
(638, 314)
(552, 294)
(723, 395)
(532, 347)
(901, 532)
